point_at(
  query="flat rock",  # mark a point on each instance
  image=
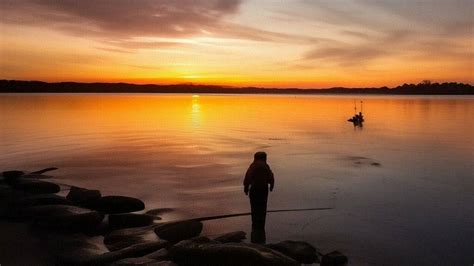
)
(64, 217)
(334, 258)
(84, 197)
(119, 204)
(177, 231)
(232, 237)
(202, 252)
(298, 250)
(39, 172)
(129, 220)
(36, 186)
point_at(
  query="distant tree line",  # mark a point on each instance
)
(423, 88)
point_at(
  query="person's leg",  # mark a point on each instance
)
(264, 209)
(253, 208)
(260, 199)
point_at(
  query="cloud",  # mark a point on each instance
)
(127, 23)
(120, 20)
(364, 31)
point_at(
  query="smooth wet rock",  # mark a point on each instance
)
(334, 258)
(143, 261)
(119, 204)
(298, 250)
(129, 220)
(159, 255)
(87, 256)
(123, 238)
(44, 199)
(233, 237)
(10, 177)
(205, 252)
(36, 186)
(64, 217)
(165, 263)
(122, 234)
(177, 231)
(138, 250)
(84, 197)
(42, 171)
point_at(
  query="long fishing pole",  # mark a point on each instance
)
(217, 217)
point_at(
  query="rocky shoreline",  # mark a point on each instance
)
(86, 228)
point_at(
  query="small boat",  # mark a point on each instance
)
(358, 118)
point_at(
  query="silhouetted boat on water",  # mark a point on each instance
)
(358, 118)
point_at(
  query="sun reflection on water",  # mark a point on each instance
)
(195, 112)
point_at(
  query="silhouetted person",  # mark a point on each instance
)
(257, 180)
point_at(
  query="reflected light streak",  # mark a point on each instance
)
(195, 112)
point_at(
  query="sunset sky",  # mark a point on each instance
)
(293, 43)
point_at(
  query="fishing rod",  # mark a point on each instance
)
(217, 217)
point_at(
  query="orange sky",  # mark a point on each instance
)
(308, 44)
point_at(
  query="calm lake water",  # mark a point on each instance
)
(402, 186)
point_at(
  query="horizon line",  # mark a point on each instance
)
(236, 87)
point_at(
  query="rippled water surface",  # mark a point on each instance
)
(402, 186)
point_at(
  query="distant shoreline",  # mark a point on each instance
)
(425, 88)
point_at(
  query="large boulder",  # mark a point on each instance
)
(129, 220)
(203, 251)
(119, 204)
(334, 258)
(298, 250)
(232, 237)
(177, 231)
(11, 177)
(84, 197)
(64, 217)
(36, 186)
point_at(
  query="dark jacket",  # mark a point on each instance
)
(258, 176)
